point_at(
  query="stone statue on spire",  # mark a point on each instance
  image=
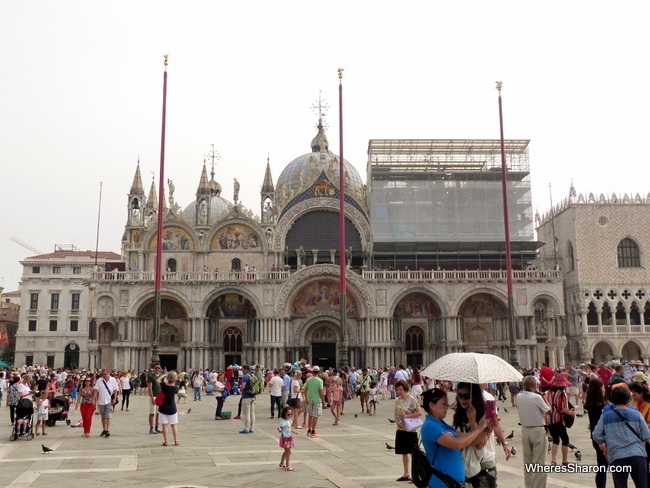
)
(235, 193)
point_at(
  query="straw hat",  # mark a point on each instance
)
(640, 377)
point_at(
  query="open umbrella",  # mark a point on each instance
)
(471, 367)
(4, 364)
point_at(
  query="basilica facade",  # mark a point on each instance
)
(245, 288)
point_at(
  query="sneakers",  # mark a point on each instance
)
(217, 418)
(158, 431)
(103, 434)
(152, 431)
(107, 434)
(244, 431)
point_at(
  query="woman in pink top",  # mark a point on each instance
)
(337, 399)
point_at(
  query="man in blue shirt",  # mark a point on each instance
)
(287, 386)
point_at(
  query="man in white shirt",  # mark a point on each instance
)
(104, 391)
(531, 408)
(403, 374)
(275, 385)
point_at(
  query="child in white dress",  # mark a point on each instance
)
(373, 401)
(43, 413)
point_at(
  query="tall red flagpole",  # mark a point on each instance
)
(161, 205)
(343, 357)
(514, 356)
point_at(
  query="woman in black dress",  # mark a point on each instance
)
(594, 402)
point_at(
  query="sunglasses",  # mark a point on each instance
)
(289, 414)
(463, 396)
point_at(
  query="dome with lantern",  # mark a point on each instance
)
(304, 170)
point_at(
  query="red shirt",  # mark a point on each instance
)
(605, 375)
(546, 376)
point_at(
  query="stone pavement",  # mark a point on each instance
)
(213, 453)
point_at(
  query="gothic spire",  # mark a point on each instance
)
(136, 186)
(152, 199)
(267, 186)
(204, 187)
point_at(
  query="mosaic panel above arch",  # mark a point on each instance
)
(322, 294)
(168, 308)
(416, 305)
(235, 236)
(482, 305)
(174, 239)
(231, 305)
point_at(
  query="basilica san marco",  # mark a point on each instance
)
(425, 257)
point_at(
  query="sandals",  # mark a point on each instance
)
(176, 443)
(288, 468)
(164, 444)
(403, 478)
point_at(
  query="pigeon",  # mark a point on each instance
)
(389, 447)
(578, 455)
(511, 436)
(67, 421)
(391, 421)
(512, 451)
(505, 409)
(579, 415)
(189, 410)
(46, 449)
(572, 447)
(356, 415)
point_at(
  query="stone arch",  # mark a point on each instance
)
(403, 294)
(551, 300)
(359, 220)
(252, 240)
(138, 302)
(632, 350)
(331, 316)
(71, 356)
(106, 333)
(356, 288)
(210, 299)
(478, 325)
(603, 351)
(461, 299)
(183, 241)
(105, 306)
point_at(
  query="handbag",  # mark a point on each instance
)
(160, 398)
(114, 399)
(413, 424)
(568, 419)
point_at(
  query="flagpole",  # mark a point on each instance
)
(343, 359)
(161, 205)
(514, 356)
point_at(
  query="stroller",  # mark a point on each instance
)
(59, 409)
(23, 427)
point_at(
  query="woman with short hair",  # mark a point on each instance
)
(406, 407)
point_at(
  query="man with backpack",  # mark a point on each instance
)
(248, 385)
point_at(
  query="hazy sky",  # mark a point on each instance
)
(81, 90)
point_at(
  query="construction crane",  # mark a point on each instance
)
(25, 245)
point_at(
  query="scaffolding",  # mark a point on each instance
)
(433, 191)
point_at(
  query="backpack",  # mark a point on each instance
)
(255, 385)
(421, 470)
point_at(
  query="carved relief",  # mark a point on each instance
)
(381, 297)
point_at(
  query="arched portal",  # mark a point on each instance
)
(71, 356)
(484, 319)
(323, 344)
(602, 352)
(173, 324)
(631, 352)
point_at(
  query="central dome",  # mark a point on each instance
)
(300, 173)
(218, 206)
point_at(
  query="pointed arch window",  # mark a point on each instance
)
(571, 264)
(592, 314)
(414, 339)
(628, 254)
(232, 340)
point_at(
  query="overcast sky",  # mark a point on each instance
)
(81, 91)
